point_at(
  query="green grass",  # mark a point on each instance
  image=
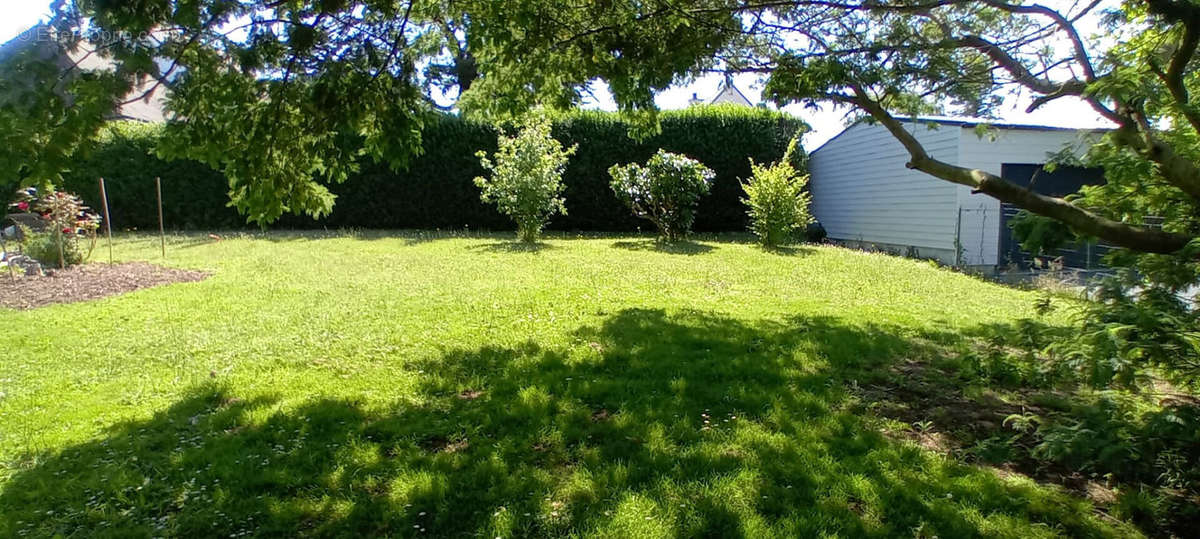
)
(423, 384)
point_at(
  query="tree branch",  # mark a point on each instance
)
(1081, 54)
(1173, 77)
(1079, 219)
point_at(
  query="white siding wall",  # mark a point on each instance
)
(863, 192)
(981, 213)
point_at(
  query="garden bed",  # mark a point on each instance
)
(88, 282)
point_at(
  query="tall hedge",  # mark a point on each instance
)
(436, 191)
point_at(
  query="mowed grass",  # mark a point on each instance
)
(429, 384)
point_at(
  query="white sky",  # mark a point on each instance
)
(18, 15)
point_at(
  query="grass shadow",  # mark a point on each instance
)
(789, 250)
(992, 396)
(512, 246)
(192, 242)
(689, 424)
(676, 248)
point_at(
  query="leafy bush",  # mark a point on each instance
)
(1123, 437)
(1146, 442)
(68, 224)
(526, 182)
(665, 191)
(1143, 323)
(776, 200)
(437, 189)
(1129, 335)
(1039, 235)
(43, 247)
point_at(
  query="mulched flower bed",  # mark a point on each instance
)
(87, 282)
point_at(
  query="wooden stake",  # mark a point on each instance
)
(62, 259)
(107, 222)
(162, 236)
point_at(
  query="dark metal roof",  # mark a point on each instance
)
(965, 122)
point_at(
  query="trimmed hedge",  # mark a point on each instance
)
(436, 191)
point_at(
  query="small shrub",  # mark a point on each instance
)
(526, 182)
(70, 232)
(665, 191)
(776, 200)
(43, 247)
(1130, 335)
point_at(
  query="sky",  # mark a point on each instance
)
(18, 15)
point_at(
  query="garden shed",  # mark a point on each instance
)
(863, 193)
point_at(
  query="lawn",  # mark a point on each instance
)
(430, 384)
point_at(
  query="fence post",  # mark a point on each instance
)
(958, 249)
(162, 237)
(107, 221)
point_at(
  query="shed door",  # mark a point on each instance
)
(1063, 181)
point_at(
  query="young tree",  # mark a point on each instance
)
(526, 180)
(776, 199)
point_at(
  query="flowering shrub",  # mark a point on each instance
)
(665, 191)
(69, 224)
(526, 182)
(776, 200)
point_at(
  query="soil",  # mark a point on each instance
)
(87, 282)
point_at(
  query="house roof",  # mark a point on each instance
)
(728, 93)
(964, 121)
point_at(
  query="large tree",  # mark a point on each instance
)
(282, 96)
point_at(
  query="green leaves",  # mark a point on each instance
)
(797, 79)
(665, 191)
(283, 98)
(47, 114)
(526, 176)
(776, 200)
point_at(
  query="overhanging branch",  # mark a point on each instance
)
(1081, 220)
